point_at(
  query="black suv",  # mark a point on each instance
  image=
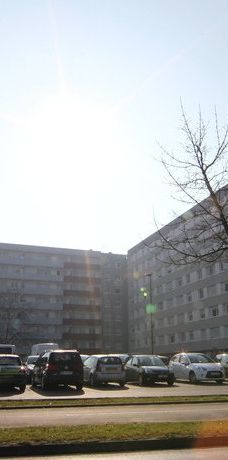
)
(59, 367)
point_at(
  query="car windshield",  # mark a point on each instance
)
(200, 359)
(150, 361)
(110, 360)
(10, 361)
(65, 356)
(32, 359)
(84, 357)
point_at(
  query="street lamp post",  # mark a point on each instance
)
(149, 275)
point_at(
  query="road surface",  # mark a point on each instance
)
(114, 414)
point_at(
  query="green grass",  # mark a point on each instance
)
(10, 403)
(112, 432)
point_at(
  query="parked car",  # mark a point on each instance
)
(104, 369)
(148, 369)
(58, 367)
(123, 356)
(165, 359)
(29, 364)
(223, 359)
(196, 367)
(12, 372)
(84, 357)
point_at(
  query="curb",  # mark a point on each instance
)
(138, 403)
(23, 450)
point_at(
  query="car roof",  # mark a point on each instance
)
(62, 351)
(106, 355)
(9, 355)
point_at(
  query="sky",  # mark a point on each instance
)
(89, 89)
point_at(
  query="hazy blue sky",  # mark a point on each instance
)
(88, 89)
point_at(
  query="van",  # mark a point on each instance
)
(8, 349)
(39, 348)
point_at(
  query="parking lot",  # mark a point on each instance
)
(114, 390)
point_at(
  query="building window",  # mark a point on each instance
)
(182, 336)
(225, 309)
(210, 270)
(187, 278)
(214, 332)
(191, 335)
(200, 293)
(203, 334)
(169, 302)
(211, 290)
(179, 299)
(172, 338)
(199, 274)
(189, 297)
(190, 316)
(202, 313)
(180, 318)
(214, 311)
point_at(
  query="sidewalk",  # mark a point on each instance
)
(23, 450)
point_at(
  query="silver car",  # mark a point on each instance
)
(104, 369)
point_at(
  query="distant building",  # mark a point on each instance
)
(191, 302)
(60, 295)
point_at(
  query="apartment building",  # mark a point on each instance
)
(114, 301)
(190, 302)
(55, 295)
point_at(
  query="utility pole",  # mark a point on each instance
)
(149, 275)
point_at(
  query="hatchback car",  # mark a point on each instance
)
(148, 369)
(104, 369)
(12, 372)
(59, 367)
(29, 363)
(223, 359)
(196, 367)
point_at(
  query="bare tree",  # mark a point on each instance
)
(200, 178)
(12, 317)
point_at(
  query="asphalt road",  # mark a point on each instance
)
(114, 414)
(219, 453)
(112, 391)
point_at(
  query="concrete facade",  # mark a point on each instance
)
(191, 302)
(55, 295)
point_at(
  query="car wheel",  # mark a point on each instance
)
(22, 388)
(141, 380)
(79, 386)
(122, 383)
(170, 381)
(43, 383)
(192, 378)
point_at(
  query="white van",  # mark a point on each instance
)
(5, 348)
(39, 348)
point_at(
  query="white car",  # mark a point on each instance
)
(196, 367)
(223, 359)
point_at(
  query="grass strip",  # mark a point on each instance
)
(111, 432)
(36, 403)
